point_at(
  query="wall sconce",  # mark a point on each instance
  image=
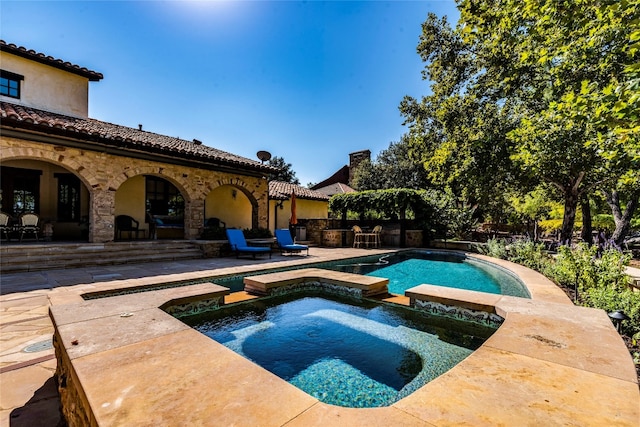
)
(234, 193)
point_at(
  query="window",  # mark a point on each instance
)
(10, 84)
(20, 190)
(163, 198)
(68, 197)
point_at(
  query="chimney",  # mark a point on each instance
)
(139, 127)
(355, 159)
(197, 141)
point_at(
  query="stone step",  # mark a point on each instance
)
(21, 258)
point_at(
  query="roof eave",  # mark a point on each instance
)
(76, 139)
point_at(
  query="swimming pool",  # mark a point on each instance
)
(407, 269)
(404, 270)
(345, 352)
(411, 268)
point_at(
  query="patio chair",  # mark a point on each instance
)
(376, 236)
(4, 225)
(286, 244)
(29, 224)
(126, 223)
(358, 236)
(239, 244)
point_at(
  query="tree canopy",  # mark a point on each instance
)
(526, 92)
(393, 168)
(285, 173)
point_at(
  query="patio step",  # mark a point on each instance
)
(52, 255)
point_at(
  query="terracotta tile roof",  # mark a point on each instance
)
(279, 190)
(337, 188)
(341, 175)
(49, 60)
(98, 133)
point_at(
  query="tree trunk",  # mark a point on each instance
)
(571, 198)
(622, 219)
(587, 227)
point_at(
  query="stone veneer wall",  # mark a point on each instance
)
(103, 173)
(314, 229)
(73, 401)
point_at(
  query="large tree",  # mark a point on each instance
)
(460, 138)
(523, 64)
(285, 171)
(393, 168)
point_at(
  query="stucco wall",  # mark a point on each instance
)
(103, 174)
(305, 209)
(48, 88)
(230, 205)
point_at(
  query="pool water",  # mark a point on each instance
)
(408, 269)
(346, 353)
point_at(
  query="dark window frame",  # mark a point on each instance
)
(163, 199)
(7, 88)
(69, 190)
(17, 184)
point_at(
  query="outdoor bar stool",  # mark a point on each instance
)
(359, 238)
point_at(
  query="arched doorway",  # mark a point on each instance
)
(59, 198)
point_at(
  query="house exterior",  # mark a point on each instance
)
(78, 174)
(310, 204)
(340, 181)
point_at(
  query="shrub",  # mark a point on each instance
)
(598, 273)
(495, 248)
(529, 254)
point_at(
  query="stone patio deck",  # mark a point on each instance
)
(550, 363)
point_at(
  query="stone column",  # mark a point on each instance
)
(193, 218)
(101, 215)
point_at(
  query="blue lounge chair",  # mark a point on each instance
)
(285, 242)
(239, 244)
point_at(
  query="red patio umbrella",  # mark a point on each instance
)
(294, 218)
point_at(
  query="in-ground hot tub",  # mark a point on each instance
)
(123, 360)
(348, 352)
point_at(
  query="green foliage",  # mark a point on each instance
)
(529, 254)
(496, 248)
(611, 299)
(428, 207)
(530, 91)
(603, 222)
(598, 274)
(461, 220)
(285, 171)
(393, 168)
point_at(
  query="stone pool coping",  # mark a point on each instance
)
(549, 363)
(267, 284)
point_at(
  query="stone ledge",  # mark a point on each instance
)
(266, 284)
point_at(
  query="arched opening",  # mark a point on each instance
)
(59, 198)
(155, 203)
(230, 205)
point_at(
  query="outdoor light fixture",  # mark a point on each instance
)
(618, 317)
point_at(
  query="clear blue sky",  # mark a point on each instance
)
(307, 81)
